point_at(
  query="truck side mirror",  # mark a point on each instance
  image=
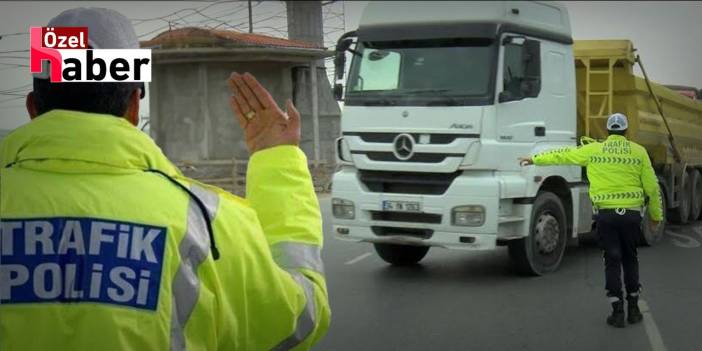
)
(340, 57)
(343, 44)
(338, 92)
(339, 64)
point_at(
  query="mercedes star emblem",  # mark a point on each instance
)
(403, 146)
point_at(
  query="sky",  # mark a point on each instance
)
(667, 34)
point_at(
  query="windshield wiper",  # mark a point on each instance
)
(446, 102)
(422, 91)
(379, 102)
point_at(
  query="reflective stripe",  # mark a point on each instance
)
(292, 255)
(194, 249)
(306, 320)
(209, 198)
(633, 195)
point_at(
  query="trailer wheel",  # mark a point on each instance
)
(541, 252)
(401, 255)
(648, 236)
(696, 193)
(681, 214)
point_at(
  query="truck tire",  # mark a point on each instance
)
(681, 214)
(696, 193)
(401, 255)
(648, 236)
(541, 252)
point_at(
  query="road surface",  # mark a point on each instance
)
(455, 300)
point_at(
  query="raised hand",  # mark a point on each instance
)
(265, 125)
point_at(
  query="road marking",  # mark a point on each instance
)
(683, 241)
(654, 335)
(358, 259)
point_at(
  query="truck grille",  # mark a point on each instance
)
(418, 157)
(415, 232)
(407, 182)
(389, 137)
(406, 217)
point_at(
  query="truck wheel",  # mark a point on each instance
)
(696, 193)
(541, 252)
(401, 255)
(648, 236)
(681, 214)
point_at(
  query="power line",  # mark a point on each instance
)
(246, 16)
(12, 99)
(237, 10)
(13, 106)
(13, 51)
(13, 34)
(214, 19)
(155, 30)
(169, 22)
(164, 18)
(16, 89)
(13, 64)
(277, 15)
(223, 21)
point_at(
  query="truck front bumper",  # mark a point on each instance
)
(371, 225)
(449, 240)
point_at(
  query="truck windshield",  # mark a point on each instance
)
(422, 73)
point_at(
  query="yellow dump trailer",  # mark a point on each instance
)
(606, 84)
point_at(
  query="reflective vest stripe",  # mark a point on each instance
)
(307, 319)
(193, 249)
(292, 255)
(633, 195)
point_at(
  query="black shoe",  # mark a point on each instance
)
(634, 316)
(616, 319)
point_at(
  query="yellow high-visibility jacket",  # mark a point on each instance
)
(619, 172)
(104, 245)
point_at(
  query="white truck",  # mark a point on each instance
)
(441, 98)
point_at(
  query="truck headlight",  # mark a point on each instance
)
(468, 216)
(343, 209)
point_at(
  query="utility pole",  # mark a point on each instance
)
(305, 23)
(250, 18)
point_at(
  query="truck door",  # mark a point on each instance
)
(521, 108)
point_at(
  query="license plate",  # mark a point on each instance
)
(402, 206)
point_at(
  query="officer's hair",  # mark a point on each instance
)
(104, 98)
(617, 132)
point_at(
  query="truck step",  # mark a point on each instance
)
(510, 219)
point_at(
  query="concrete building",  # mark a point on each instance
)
(190, 118)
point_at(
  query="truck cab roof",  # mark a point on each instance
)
(390, 20)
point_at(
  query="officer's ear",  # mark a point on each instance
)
(132, 114)
(31, 106)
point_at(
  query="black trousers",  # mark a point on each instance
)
(618, 235)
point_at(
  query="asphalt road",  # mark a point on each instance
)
(456, 300)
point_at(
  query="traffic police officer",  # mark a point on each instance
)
(621, 177)
(105, 245)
